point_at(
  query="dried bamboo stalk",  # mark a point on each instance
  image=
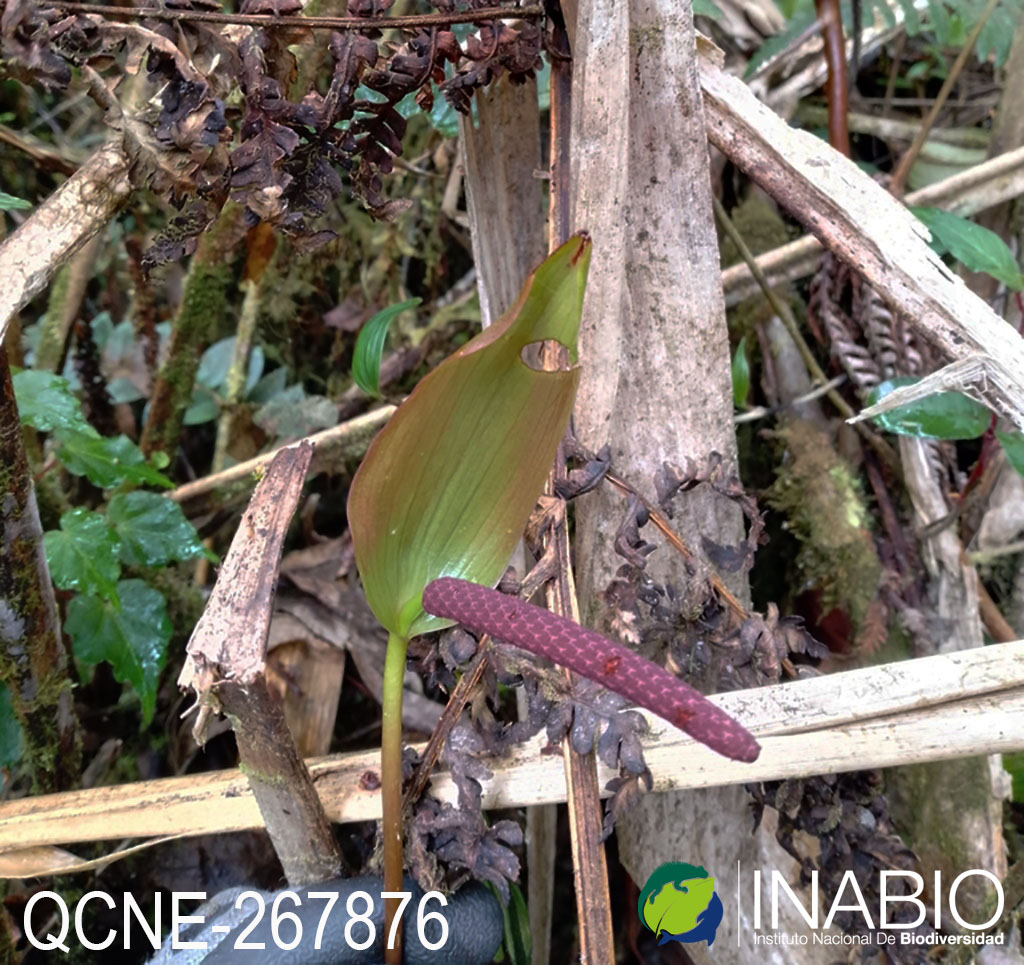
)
(934, 708)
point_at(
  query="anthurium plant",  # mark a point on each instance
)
(441, 500)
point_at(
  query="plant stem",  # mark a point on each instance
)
(391, 782)
(906, 162)
(786, 316)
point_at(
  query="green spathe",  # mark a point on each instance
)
(446, 487)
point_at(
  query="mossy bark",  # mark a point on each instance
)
(203, 306)
(33, 664)
(825, 509)
(946, 813)
(64, 306)
(54, 333)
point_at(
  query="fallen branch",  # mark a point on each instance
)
(226, 666)
(933, 708)
(976, 189)
(221, 489)
(865, 226)
(64, 222)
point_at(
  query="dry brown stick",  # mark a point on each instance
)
(837, 88)
(459, 696)
(996, 624)
(226, 666)
(65, 301)
(892, 129)
(315, 23)
(329, 447)
(64, 222)
(662, 524)
(42, 154)
(966, 51)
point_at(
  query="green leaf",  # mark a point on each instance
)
(153, 530)
(133, 640)
(869, 10)
(46, 402)
(517, 943)
(203, 406)
(911, 18)
(82, 554)
(448, 484)
(8, 202)
(443, 117)
(1014, 765)
(996, 36)
(124, 389)
(705, 8)
(944, 415)
(215, 363)
(1013, 446)
(108, 462)
(740, 375)
(797, 24)
(370, 347)
(257, 359)
(269, 386)
(976, 247)
(10, 730)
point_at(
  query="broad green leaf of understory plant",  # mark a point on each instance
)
(108, 462)
(153, 530)
(1013, 446)
(82, 554)
(8, 202)
(1014, 765)
(46, 402)
(133, 640)
(370, 347)
(975, 246)
(944, 415)
(705, 8)
(447, 485)
(516, 945)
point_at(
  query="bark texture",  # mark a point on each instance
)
(33, 664)
(226, 667)
(505, 198)
(655, 352)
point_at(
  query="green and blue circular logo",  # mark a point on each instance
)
(679, 904)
